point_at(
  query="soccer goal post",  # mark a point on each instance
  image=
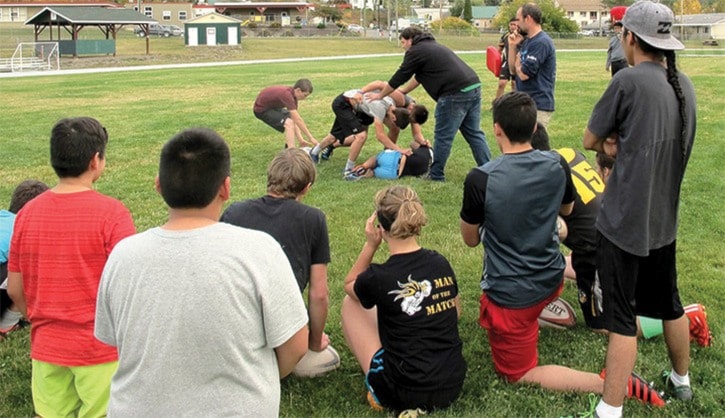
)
(35, 56)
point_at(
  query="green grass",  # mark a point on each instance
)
(141, 110)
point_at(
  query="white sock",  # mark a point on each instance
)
(349, 165)
(9, 319)
(605, 410)
(315, 150)
(680, 380)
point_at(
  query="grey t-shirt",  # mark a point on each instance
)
(639, 207)
(196, 318)
(376, 108)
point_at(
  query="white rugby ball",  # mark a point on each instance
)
(558, 314)
(306, 149)
(316, 363)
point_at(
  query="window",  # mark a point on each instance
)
(148, 11)
(182, 15)
(570, 14)
(583, 14)
(269, 18)
(166, 15)
(593, 15)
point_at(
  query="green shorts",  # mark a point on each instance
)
(61, 391)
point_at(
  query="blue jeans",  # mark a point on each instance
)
(454, 112)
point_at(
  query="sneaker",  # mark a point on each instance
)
(681, 392)
(638, 388)
(5, 331)
(315, 158)
(589, 413)
(412, 413)
(351, 176)
(327, 152)
(374, 403)
(699, 330)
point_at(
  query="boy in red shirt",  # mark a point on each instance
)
(58, 250)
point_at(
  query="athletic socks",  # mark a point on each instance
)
(680, 380)
(608, 411)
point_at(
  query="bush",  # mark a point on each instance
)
(252, 25)
(288, 33)
(264, 33)
(454, 23)
(275, 25)
(321, 25)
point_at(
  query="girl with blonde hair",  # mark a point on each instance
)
(400, 318)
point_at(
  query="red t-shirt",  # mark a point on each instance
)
(60, 246)
(275, 97)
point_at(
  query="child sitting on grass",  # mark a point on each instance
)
(400, 318)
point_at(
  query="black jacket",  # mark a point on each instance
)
(435, 66)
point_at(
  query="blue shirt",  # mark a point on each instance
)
(7, 220)
(538, 62)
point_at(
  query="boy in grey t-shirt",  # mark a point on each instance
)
(201, 329)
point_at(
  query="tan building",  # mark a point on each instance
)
(164, 12)
(586, 13)
(20, 11)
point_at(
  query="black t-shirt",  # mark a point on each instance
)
(301, 230)
(582, 236)
(417, 319)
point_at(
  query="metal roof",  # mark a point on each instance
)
(708, 19)
(86, 15)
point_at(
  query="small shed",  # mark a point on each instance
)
(213, 29)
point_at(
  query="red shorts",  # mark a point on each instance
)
(513, 335)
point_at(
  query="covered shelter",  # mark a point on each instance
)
(71, 20)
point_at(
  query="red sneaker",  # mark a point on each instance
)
(638, 388)
(699, 330)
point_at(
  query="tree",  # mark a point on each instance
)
(328, 13)
(467, 11)
(713, 6)
(608, 4)
(553, 18)
(457, 9)
(687, 7)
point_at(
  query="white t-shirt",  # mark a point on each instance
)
(196, 316)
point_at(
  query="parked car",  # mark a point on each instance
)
(355, 28)
(586, 32)
(158, 29)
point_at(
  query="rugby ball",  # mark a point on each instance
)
(316, 363)
(557, 314)
(306, 149)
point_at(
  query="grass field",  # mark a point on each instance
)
(141, 110)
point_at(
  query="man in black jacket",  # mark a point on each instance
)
(455, 87)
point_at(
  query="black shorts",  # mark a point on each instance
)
(633, 285)
(505, 74)
(341, 128)
(394, 397)
(618, 65)
(589, 290)
(274, 118)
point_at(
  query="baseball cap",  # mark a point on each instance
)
(652, 22)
